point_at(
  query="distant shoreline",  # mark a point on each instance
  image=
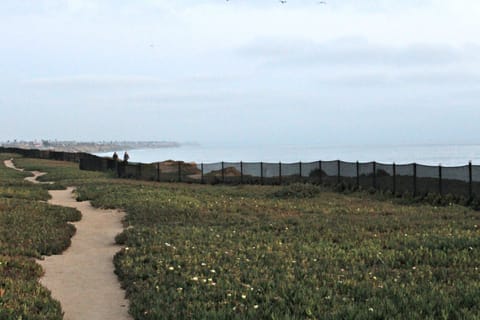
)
(90, 147)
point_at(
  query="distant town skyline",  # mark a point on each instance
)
(242, 72)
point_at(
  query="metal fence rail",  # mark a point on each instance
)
(413, 179)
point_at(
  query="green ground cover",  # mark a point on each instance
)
(64, 174)
(296, 252)
(260, 252)
(28, 229)
(13, 185)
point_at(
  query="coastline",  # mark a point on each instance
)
(92, 147)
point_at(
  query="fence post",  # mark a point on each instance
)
(122, 167)
(280, 172)
(117, 168)
(320, 173)
(394, 179)
(223, 172)
(300, 170)
(358, 175)
(374, 182)
(139, 171)
(414, 179)
(158, 171)
(202, 181)
(261, 172)
(470, 191)
(440, 191)
(179, 171)
(241, 172)
(338, 171)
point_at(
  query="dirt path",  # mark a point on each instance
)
(82, 278)
(36, 174)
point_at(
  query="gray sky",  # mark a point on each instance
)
(241, 71)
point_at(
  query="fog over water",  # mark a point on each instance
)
(447, 155)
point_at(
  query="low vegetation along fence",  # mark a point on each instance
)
(413, 179)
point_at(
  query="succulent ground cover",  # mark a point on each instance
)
(252, 252)
(63, 173)
(286, 252)
(28, 229)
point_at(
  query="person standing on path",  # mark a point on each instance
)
(126, 157)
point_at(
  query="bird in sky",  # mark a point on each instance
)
(285, 1)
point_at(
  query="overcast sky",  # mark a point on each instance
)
(241, 71)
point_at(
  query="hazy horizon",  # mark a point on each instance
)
(241, 72)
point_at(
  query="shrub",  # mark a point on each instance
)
(434, 199)
(297, 190)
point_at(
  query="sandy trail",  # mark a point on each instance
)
(36, 174)
(82, 278)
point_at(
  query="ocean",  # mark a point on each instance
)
(446, 155)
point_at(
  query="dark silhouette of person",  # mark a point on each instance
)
(115, 156)
(126, 157)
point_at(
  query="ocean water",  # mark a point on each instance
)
(446, 155)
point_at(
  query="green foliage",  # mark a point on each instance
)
(21, 297)
(27, 300)
(258, 252)
(63, 173)
(13, 185)
(28, 228)
(34, 228)
(297, 190)
(245, 252)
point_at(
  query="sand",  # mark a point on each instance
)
(82, 278)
